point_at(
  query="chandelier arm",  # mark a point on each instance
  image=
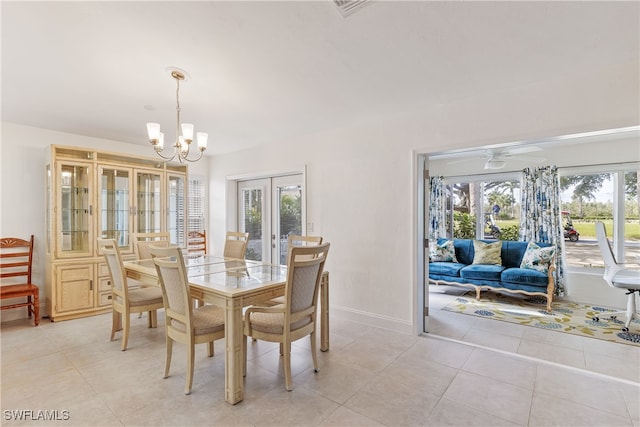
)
(196, 159)
(167, 158)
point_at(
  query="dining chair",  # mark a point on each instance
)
(145, 240)
(184, 323)
(296, 318)
(235, 244)
(197, 243)
(125, 300)
(16, 260)
(618, 276)
(297, 240)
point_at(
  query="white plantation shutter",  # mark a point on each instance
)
(196, 205)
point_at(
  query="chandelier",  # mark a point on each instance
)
(182, 144)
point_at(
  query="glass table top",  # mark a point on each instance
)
(222, 274)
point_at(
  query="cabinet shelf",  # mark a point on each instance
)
(90, 195)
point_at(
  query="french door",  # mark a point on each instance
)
(270, 209)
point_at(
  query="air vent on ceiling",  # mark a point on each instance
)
(347, 7)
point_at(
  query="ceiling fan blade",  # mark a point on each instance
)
(462, 161)
(534, 159)
(522, 150)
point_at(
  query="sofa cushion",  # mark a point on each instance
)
(445, 269)
(463, 248)
(487, 253)
(442, 252)
(512, 253)
(538, 258)
(482, 272)
(524, 276)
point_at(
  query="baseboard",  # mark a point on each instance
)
(371, 319)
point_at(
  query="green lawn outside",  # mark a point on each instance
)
(587, 229)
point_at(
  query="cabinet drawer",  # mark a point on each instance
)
(76, 273)
(103, 270)
(104, 284)
(104, 298)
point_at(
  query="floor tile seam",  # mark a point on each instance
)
(541, 361)
(604, 411)
(501, 380)
(472, 408)
(95, 392)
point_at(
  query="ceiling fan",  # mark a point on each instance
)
(496, 158)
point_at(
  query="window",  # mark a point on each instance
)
(596, 193)
(195, 211)
(483, 207)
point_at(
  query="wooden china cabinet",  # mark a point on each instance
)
(93, 194)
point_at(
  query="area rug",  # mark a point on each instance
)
(567, 317)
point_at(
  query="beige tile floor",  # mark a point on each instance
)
(370, 377)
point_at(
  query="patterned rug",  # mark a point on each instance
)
(568, 317)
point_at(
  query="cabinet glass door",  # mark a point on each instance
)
(149, 202)
(75, 236)
(115, 206)
(177, 209)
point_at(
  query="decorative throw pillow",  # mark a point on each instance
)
(537, 258)
(445, 252)
(487, 253)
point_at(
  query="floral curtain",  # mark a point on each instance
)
(437, 199)
(542, 223)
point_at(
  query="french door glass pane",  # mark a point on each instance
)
(251, 216)
(289, 215)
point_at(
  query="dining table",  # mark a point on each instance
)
(234, 284)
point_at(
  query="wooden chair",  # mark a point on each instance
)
(197, 243)
(145, 240)
(184, 323)
(126, 301)
(235, 244)
(296, 318)
(295, 240)
(16, 259)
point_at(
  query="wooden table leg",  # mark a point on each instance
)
(233, 375)
(324, 312)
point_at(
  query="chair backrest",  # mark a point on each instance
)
(305, 265)
(16, 257)
(175, 285)
(109, 248)
(145, 240)
(197, 243)
(235, 244)
(611, 267)
(295, 240)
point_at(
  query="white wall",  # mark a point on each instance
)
(22, 184)
(360, 179)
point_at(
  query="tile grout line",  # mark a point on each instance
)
(534, 359)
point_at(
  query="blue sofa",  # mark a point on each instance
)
(508, 277)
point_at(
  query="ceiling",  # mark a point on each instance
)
(263, 71)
